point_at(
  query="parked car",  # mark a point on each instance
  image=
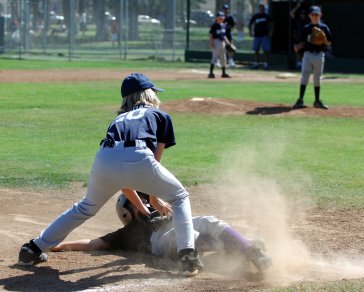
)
(203, 18)
(180, 22)
(146, 19)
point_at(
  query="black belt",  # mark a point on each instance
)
(131, 143)
(109, 143)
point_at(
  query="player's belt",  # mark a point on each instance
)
(109, 143)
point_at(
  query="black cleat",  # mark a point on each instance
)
(225, 76)
(211, 75)
(319, 104)
(190, 261)
(28, 257)
(299, 104)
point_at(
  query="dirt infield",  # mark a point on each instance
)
(307, 244)
(76, 75)
(324, 232)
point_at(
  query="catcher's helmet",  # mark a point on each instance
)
(124, 209)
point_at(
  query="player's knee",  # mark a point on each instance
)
(86, 209)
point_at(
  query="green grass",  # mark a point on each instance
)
(50, 132)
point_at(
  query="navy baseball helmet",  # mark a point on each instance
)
(220, 14)
(225, 6)
(315, 10)
(136, 82)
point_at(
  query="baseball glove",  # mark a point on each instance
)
(154, 220)
(231, 48)
(318, 36)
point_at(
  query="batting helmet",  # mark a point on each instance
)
(124, 209)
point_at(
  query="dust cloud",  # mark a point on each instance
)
(255, 204)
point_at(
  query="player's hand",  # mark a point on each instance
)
(298, 47)
(161, 206)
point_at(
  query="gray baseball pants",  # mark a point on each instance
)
(218, 52)
(163, 241)
(312, 63)
(124, 167)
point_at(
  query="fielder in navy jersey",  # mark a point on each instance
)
(129, 160)
(313, 58)
(218, 41)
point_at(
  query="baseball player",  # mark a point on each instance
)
(217, 44)
(159, 237)
(263, 30)
(314, 47)
(229, 23)
(128, 160)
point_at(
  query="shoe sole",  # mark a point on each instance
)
(24, 264)
(190, 274)
(321, 107)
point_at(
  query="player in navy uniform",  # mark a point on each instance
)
(313, 57)
(229, 23)
(128, 160)
(263, 30)
(218, 41)
(158, 237)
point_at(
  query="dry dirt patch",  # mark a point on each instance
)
(25, 213)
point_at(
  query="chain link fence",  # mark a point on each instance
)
(114, 29)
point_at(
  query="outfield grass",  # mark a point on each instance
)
(50, 132)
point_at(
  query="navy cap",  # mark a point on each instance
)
(225, 6)
(315, 10)
(220, 14)
(136, 82)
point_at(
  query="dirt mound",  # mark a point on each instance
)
(223, 106)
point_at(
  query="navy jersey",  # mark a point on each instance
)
(144, 123)
(230, 23)
(133, 237)
(218, 31)
(261, 24)
(307, 30)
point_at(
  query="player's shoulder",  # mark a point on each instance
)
(158, 112)
(308, 27)
(323, 25)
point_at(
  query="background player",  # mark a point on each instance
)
(263, 31)
(313, 57)
(229, 23)
(132, 150)
(158, 236)
(217, 44)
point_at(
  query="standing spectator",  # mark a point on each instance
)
(230, 23)
(263, 30)
(83, 22)
(300, 19)
(217, 44)
(313, 56)
(15, 32)
(114, 31)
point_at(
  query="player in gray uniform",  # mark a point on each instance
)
(128, 160)
(158, 236)
(313, 57)
(217, 44)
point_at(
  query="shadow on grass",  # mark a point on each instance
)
(270, 110)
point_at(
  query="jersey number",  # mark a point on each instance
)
(133, 115)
